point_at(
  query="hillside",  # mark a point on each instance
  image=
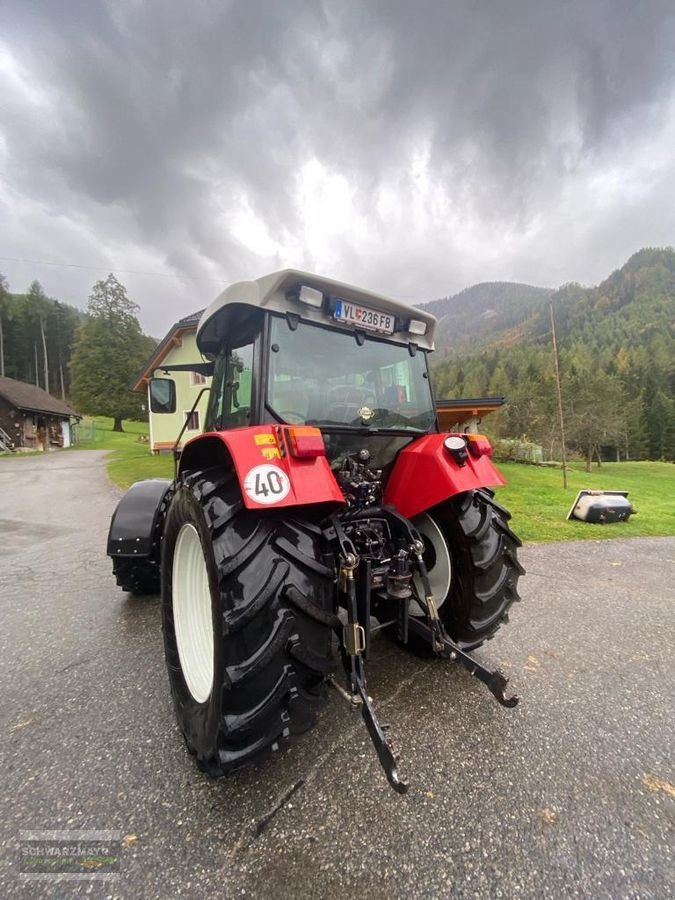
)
(485, 312)
(617, 360)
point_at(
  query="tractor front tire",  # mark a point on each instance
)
(483, 564)
(141, 575)
(247, 618)
(137, 576)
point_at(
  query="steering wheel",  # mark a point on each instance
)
(292, 417)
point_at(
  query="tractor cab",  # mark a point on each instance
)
(292, 349)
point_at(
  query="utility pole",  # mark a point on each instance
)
(560, 407)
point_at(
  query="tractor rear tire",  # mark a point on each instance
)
(248, 672)
(484, 566)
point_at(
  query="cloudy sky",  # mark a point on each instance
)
(412, 147)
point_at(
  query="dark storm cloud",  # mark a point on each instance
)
(154, 124)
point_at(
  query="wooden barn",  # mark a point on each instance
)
(31, 419)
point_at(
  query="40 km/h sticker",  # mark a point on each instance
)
(267, 484)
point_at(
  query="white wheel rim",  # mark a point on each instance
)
(440, 571)
(192, 617)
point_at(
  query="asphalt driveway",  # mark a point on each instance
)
(571, 794)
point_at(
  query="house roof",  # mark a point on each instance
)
(192, 319)
(452, 412)
(472, 403)
(183, 326)
(33, 399)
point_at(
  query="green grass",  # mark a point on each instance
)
(534, 494)
(539, 504)
(130, 458)
(19, 454)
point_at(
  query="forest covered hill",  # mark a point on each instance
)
(617, 362)
(479, 313)
(36, 338)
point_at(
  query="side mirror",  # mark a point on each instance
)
(162, 395)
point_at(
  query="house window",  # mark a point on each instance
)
(192, 420)
(197, 379)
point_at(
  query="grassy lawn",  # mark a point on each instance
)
(130, 458)
(534, 494)
(539, 505)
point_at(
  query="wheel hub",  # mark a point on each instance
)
(437, 560)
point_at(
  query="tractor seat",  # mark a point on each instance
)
(345, 401)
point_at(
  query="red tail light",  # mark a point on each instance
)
(478, 445)
(306, 442)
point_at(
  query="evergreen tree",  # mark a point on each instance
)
(109, 350)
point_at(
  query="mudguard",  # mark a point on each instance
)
(426, 473)
(133, 524)
(270, 475)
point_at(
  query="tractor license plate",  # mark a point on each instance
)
(371, 319)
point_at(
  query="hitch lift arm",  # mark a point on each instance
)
(434, 632)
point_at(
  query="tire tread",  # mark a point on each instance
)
(274, 654)
(485, 566)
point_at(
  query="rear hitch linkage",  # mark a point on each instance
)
(353, 644)
(352, 639)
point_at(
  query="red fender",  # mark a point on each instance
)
(426, 473)
(270, 475)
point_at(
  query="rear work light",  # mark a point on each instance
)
(310, 296)
(415, 326)
(478, 445)
(306, 442)
(456, 446)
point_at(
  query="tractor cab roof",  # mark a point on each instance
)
(314, 299)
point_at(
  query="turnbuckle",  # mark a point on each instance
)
(354, 638)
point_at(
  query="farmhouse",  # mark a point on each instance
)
(32, 419)
(179, 347)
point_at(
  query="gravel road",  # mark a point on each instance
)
(571, 794)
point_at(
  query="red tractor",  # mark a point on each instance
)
(320, 504)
